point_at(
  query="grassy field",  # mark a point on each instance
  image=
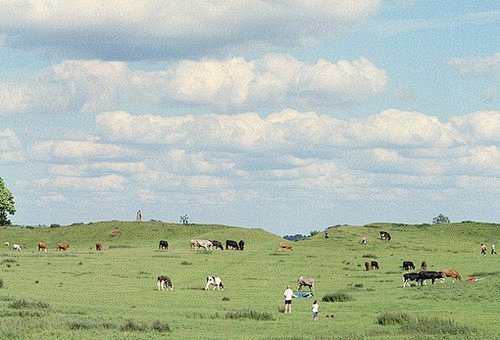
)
(85, 294)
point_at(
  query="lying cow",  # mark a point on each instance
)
(305, 281)
(232, 244)
(217, 244)
(284, 246)
(163, 244)
(407, 265)
(430, 275)
(216, 281)
(41, 247)
(451, 273)
(163, 282)
(410, 277)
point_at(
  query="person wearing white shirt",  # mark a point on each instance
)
(288, 294)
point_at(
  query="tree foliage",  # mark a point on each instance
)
(440, 219)
(6, 204)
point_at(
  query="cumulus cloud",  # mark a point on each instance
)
(10, 147)
(127, 30)
(476, 67)
(101, 183)
(481, 126)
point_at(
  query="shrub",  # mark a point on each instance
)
(250, 314)
(55, 225)
(225, 298)
(131, 325)
(160, 326)
(337, 297)
(392, 318)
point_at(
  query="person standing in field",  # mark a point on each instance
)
(493, 250)
(288, 294)
(484, 249)
(315, 310)
(138, 216)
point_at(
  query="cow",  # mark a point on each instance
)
(367, 265)
(407, 265)
(98, 246)
(410, 277)
(16, 247)
(423, 266)
(232, 244)
(284, 246)
(241, 244)
(6, 243)
(41, 247)
(384, 235)
(216, 281)
(305, 281)
(217, 244)
(62, 246)
(163, 282)
(163, 244)
(451, 273)
(197, 244)
(430, 275)
(374, 265)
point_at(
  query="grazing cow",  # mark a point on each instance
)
(305, 281)
(62, 246)
(430, 275)
(410, 277)
(241, 244)
(217, 244)
(6, 243)
(163, 282)
(384, 235)
(197, 244)
(216, 281)
(407, 265)
(98, 246)
(451, 273)
(232, 244)
(374, 265)
(367, 265)
(16, 247)
(284, 246)
(163, 244)
(41, 247)
(423, 266)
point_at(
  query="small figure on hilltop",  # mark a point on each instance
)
(493, 250)
(315, 310)
(138, 216)
(484, 249)
(326, 234)
(288, 294)
(363, 240)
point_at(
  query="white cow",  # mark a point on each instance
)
(216, 281)
(16, 247)
(196, 244)
(163, 282)
(305, 281)
(6, 243)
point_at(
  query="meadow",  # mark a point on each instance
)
(85, 294)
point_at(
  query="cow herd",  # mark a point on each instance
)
(42, 247)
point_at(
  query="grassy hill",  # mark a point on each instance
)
(86, 294)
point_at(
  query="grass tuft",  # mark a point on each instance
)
(392, 318)
(250, 314)
(133, 326)
(337, 297)
(436, 327)
(160, 326)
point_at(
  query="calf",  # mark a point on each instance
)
(163, 244)
(374, 265)
(410, 277)
(163, 282)
(232, 244)
(217, 244)
(407, 265)
(216, 281)
(451, 273)
(430, 275)
(305, 281)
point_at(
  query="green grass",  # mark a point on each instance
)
(85, 294)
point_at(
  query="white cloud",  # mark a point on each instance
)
(476, 67)
(103, 183)
(480, 126)
(68, 149)
(10, 147)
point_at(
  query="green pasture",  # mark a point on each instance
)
(85, 294)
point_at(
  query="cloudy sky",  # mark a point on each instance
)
(285, 115)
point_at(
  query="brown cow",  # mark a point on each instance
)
(62, 246)
(368, 265)
(451, 273)
(284, 246)
(98, 246)
(42, 247)
(423, 266)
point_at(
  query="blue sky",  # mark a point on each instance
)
(288, 116)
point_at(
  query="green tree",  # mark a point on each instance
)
(440, 219)
(6, 204)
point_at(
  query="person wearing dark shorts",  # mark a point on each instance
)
(288, 294)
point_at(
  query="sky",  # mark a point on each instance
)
(289, 116)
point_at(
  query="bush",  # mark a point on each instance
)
(337, 297)
(160, 326)
(250, 314)
(55, 225)
(131, 325)
(392, 318)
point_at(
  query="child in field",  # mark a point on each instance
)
(315, 310)
(484, 249)
(493, 250)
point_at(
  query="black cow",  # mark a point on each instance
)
(384, 235)
(233, 244)
(411, 277)
(217, 244)
(374, 265)
(241, 244)
(407, 265)
(430, 275)
(163, 244)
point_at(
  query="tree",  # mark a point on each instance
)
(6, 204)
(440, 219)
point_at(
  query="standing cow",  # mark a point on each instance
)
(16, 247)
(217, 244)
(98, 246)
(374, 265)
(41, 247)
(368, 265)
(407, 265)
(163, 281)
(305, 281)
(284, 246)
(232, 244)
(241, 244)
(215, 281)
(163, 244)
(62, 246)
(384, 235)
